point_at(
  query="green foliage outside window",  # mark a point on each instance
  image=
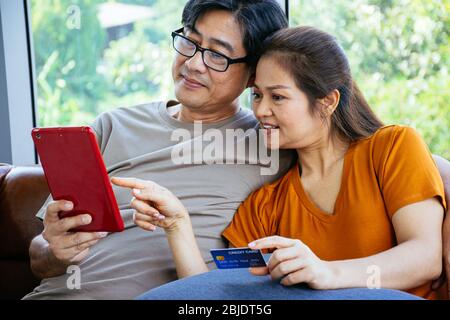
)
(79, 73)
(398, 50)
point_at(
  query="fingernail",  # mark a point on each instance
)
(87, 219)
(102, 234)
(68, 205)
(136, 191)
(252, 244)
(161, 217)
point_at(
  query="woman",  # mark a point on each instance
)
(363, 198)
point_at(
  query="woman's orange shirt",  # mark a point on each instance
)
(382, 173)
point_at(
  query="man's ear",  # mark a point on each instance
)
(251, 81)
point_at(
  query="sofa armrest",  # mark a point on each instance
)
(23, 190)
(22, 193)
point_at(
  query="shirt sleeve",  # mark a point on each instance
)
(102, 127)
(407, 171)
(97, 127)
(248, 223)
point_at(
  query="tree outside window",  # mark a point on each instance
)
(399, 54)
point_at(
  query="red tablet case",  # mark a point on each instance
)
(75, 171)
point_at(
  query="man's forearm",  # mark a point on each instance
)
(446, 247)
(43, 262)
(444, 169)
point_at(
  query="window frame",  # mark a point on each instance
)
(17, 96)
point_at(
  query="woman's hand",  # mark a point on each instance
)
(155, 205)
(293, 262)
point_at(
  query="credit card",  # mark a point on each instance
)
(237, 258)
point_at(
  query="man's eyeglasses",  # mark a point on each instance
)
(211, 59)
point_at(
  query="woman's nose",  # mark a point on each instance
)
(261, 109)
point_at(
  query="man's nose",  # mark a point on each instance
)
(195, 63)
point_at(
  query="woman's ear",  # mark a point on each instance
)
(330, 102)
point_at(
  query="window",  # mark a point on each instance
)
(398, 51)
(95, 55)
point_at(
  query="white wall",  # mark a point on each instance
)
(16, 103)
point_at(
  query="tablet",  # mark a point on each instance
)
(75, 171)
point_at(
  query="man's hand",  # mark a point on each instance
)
(68, 247)
(155, 206)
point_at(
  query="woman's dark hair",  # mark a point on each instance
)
(319, 65)
(257, 19)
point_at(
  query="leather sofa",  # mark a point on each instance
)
(23, 190)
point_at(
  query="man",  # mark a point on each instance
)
(217, 51)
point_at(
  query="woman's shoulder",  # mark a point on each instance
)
(391, 133)
(390, 138)
(391, 145)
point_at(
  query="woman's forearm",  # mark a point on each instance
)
(186, 254)
(408, 265)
